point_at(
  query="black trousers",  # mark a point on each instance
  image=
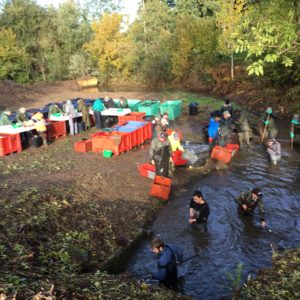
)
(98, 119)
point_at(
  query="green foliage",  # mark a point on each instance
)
(269, 34)
(13, 59)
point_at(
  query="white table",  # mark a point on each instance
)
(116, 112)
(63, 118)
(8, 129)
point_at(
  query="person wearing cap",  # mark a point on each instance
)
(4, 120)
(160, 154)
(225, 128)
(166, 272)
(21, 116)
(267, 127)
(273, 150)
(248, 201)
(199, 212)
(243, 128)
(72, 114)
(227, 106)
(213, 127)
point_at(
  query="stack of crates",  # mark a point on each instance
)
(172, 107)
(150, 107)
(10, 143)
(161, 187)
(133, 104)
(133, 116)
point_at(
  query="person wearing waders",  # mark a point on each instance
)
(248, 201)
(160, 154)
(199, 212)
(267, 127)
(166, 265)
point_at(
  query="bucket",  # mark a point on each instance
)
(107, 153)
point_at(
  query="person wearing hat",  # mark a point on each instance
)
(248, 201)
(199, 212)
(267, 127)
(243, 128)
(166, 265)
(227, 106)
(21, 116)
(4, 120)
(40, 126)
(225, 129)
(160, 154)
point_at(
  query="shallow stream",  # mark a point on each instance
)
(231, 239)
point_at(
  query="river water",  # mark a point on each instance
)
(231, 240)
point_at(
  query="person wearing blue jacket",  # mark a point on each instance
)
(213, 127)
(167, 265)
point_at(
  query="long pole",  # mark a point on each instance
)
(292, 136)
(264, 132)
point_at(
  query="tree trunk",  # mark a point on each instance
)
(232, 66)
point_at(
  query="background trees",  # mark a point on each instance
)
(169, 42)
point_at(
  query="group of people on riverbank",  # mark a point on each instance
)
(221, 125)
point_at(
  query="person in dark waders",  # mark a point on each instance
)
(199, 212)
(160, 154)
(166, 265)
(248, 201)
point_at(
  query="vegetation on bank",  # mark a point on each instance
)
(182, 42)
(282, 281)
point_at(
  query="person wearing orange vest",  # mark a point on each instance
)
(40, 126)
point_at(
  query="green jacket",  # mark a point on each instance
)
(123, 105)
(241, 123)
(54, 109)
(85, 113)
(246, 198)
(20, 117)
(4, 120)
(160, 151)
(271, 122)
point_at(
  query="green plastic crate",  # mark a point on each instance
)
(133, 104)
(172, 107)
(150, 107)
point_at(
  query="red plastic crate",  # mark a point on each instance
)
(117, 142)
(224, 154)
(10, 143)
(133, 116)
(83, 146)
(177, 158)
(146, 132)
(147, 170)
(161, 187)
(56, 129)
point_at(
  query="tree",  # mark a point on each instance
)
(96, 8)
(108, 45)
(229, 16)
(13, 58)
(269, 34)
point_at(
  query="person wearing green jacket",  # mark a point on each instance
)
(54, 109)
(267, 127)
(98, 107)
(4, 120)
(21, 116)
(123, 103)
(82, 107)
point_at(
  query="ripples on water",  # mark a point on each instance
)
(231, 239)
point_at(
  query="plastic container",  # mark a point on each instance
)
(133, 104)
(224, 154)
(147, 170)
(133, 116)
(172, 107)
(178, 159)
(107, 153)
(83, 146)
(150, 107)
(10, 143)
(56, 129)
(161, 187)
